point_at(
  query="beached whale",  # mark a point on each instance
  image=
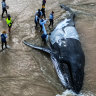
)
(66, 53)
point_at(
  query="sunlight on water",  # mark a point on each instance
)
(71, 93)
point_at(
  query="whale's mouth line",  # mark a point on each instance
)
(65, 67)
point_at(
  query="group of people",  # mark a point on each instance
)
(40, 19)
(8, 22)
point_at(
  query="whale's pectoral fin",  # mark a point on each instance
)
(37, 47)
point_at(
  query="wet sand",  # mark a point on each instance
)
(28, 72)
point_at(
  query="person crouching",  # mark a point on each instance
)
(44, 38)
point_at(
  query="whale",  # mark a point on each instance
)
(66, 52)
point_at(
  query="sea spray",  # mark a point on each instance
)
(71, 93)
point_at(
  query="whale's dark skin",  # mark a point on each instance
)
(66, 53)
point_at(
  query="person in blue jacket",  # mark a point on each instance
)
(51, 19)
(36, 20)
(44, 35)
(39, 12)
(43, 11)
(41, 20)
(3, 39)
(4, 8)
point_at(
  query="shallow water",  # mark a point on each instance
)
(28, 72)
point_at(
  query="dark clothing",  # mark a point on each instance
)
(36, 24)
(36, 21)
(10, 25)
(3, 44)
(3, 40)
(39, 14)
(41, 20)
(41, 28)
(43, 2)
(44, 38)
(51, 18)
(3, 11)
(4, 8)
(43, 12)
(51, 22)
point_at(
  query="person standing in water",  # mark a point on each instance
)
(3, 39)
(4, 8)
(9, 22)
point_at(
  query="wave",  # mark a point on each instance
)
(71, 93)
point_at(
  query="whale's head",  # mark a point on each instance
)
(73, 73)
(69, 57)
(71, 64)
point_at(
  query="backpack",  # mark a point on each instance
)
(3, 38)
